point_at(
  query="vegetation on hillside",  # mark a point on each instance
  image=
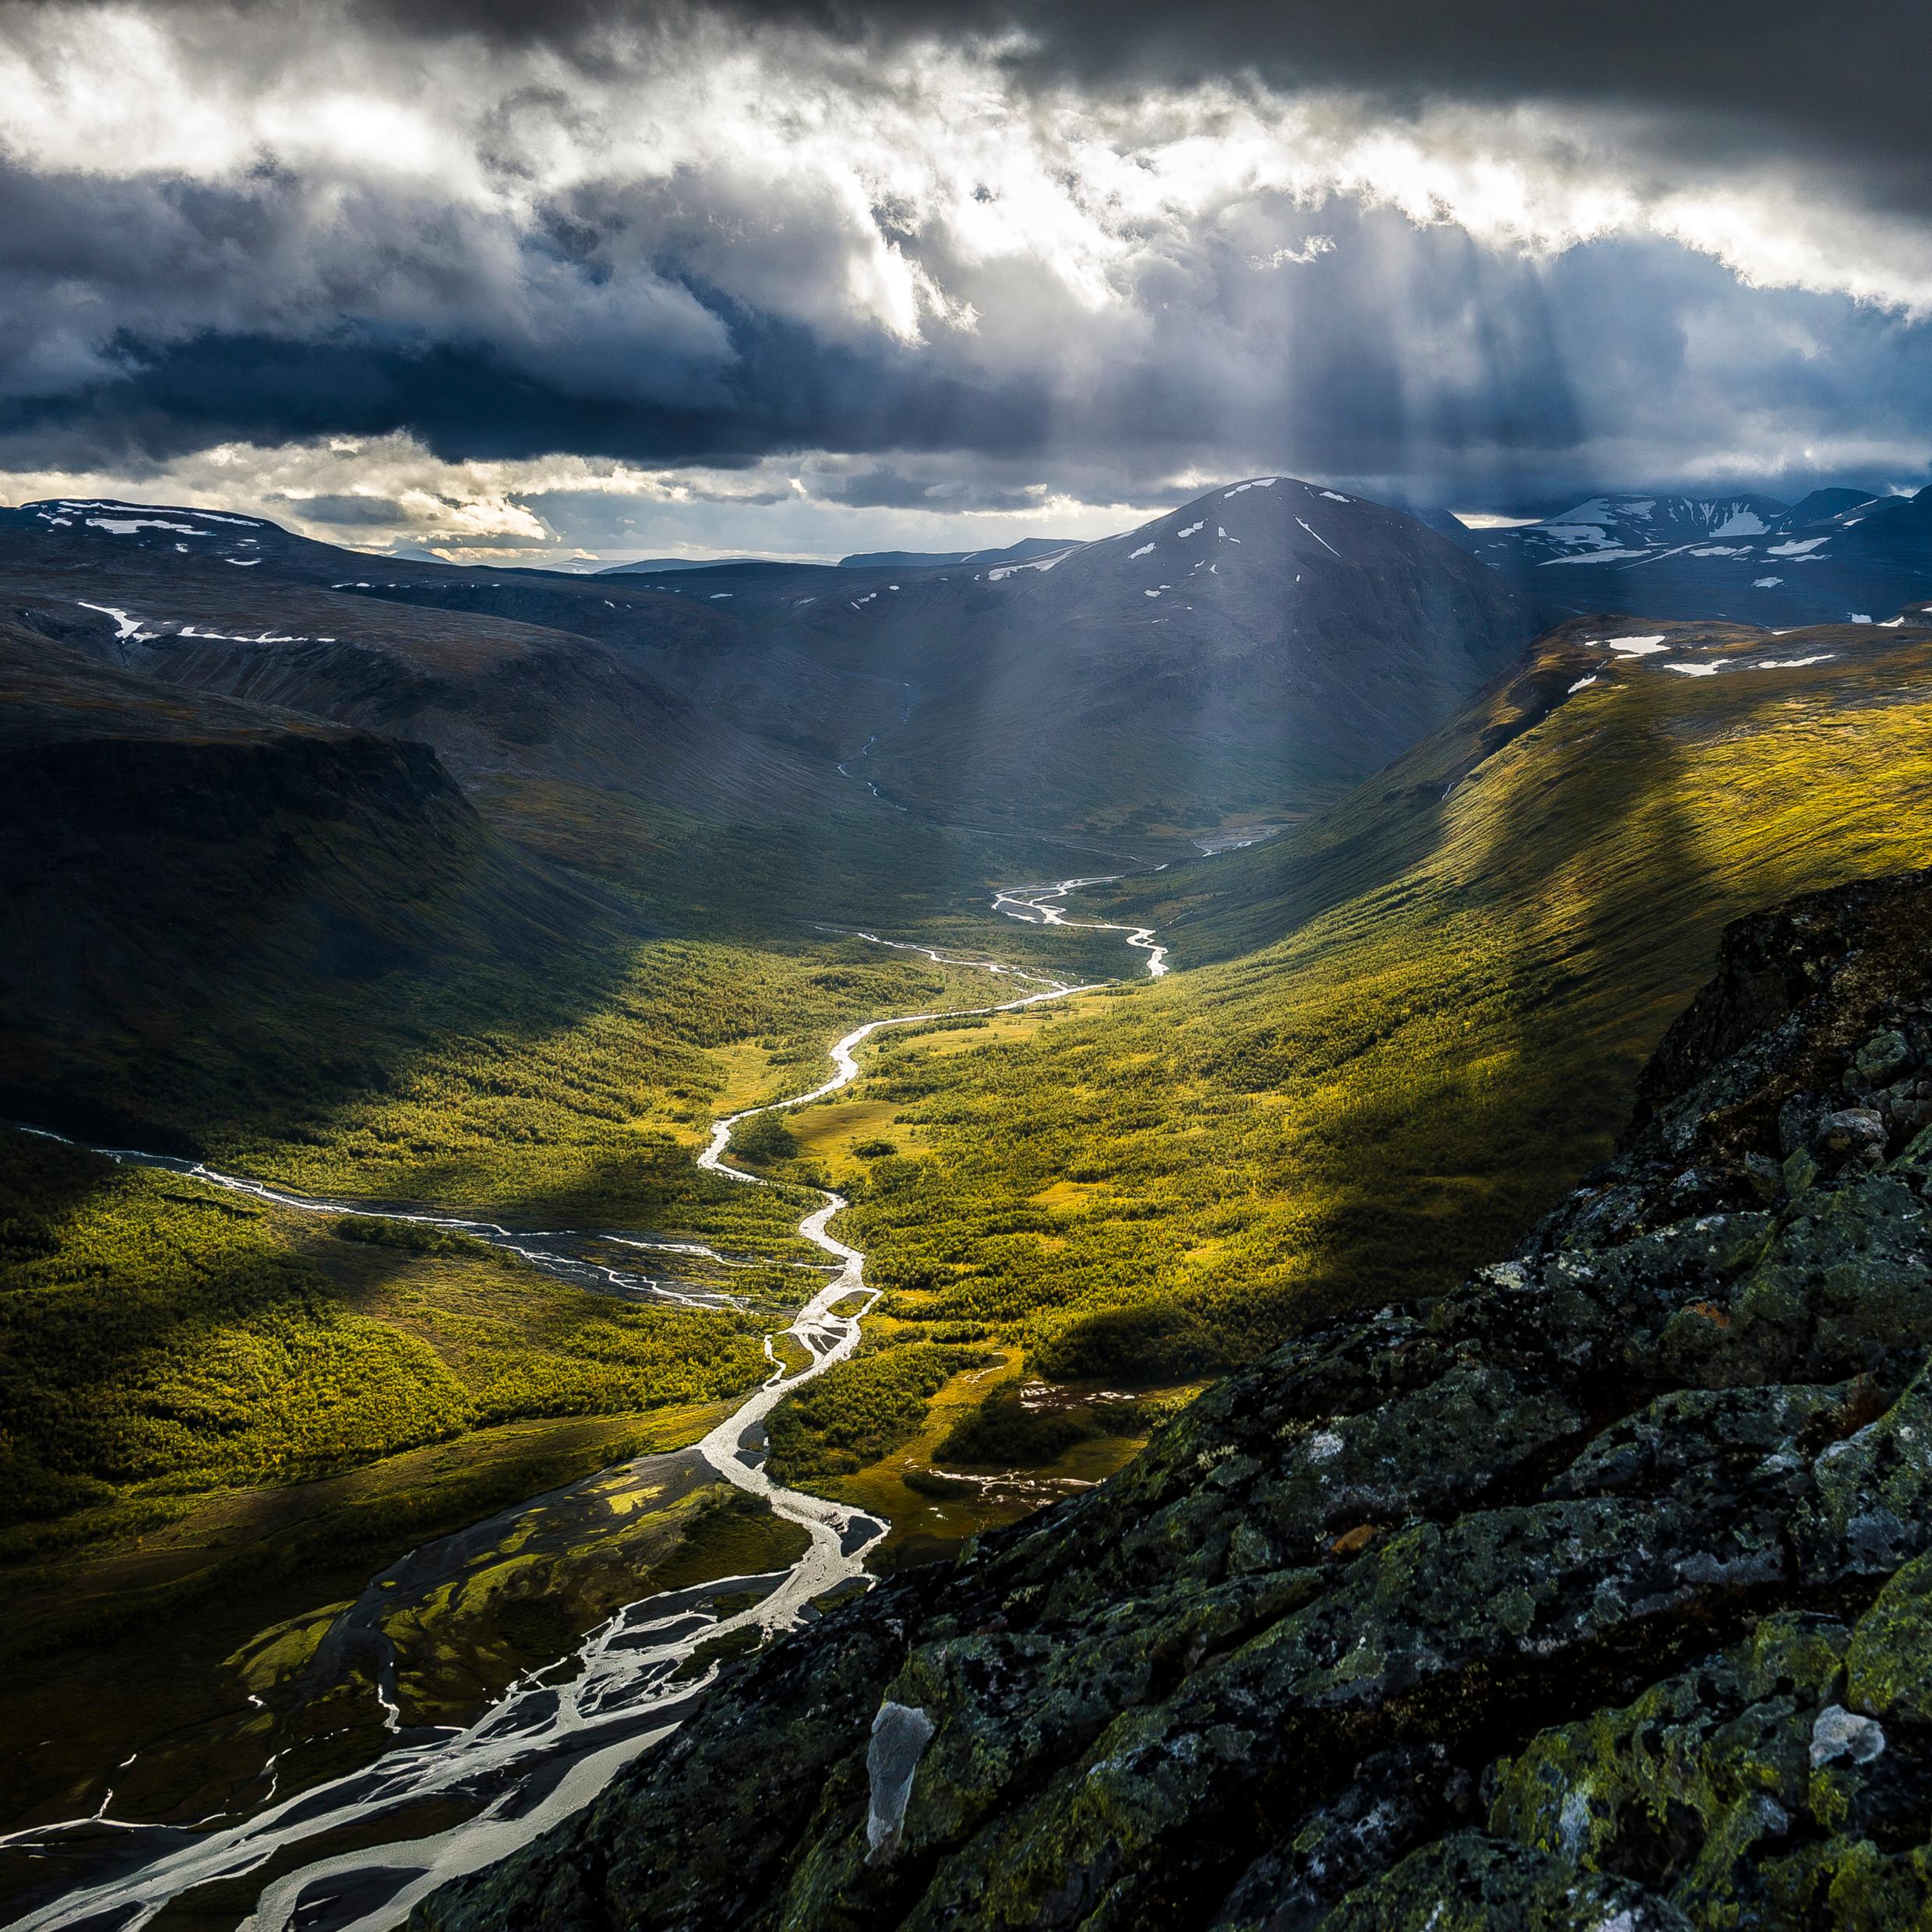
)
(863, 1409)
(1479, 948)
(159, 1338)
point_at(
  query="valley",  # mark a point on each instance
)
(473, 1362)
(492, 1784)
(965, 968)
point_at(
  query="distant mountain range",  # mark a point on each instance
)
(1837, 556)
(1246, 656)
(1024, 551)
(1027, 548)
(1240, 659)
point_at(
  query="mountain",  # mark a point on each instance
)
(1245, 656)
(1591, 1592)
(1840, 556)
(1607, 528)
(1821, 506)
(1024, 551)
(550, 729)
(186, 872)
(1249, 655)
(659, 565)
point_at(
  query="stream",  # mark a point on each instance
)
(559, 1736)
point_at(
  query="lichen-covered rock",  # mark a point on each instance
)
(1472, 1884)
(1595, 1593)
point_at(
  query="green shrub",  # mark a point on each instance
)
(764, 1139)
(1002, 1432)
(861, 1409)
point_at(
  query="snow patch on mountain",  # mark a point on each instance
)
(1008, 569)
(127, 526)
(125, 626)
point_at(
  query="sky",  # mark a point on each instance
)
(592, 280)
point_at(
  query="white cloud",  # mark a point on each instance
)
(719, 136)
(389, 492)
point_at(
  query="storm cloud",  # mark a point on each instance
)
(957, 262)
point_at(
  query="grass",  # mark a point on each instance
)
(173, 1356)
(858, 1412)
(159, 1336)
(589, 1116)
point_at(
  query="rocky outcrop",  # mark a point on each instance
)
(1597, 1593)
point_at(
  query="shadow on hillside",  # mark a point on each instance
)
(1585, 882)
(1485, 1021)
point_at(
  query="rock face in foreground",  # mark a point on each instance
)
(1594, 1595)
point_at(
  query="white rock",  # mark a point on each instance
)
(900, 1735)
(1842, 1733)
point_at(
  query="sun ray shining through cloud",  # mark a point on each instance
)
(683, 243)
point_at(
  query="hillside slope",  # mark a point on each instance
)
(187, 874)
(1427, 1016)
(1593, 1592)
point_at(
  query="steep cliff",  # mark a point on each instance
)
(1595, 1592)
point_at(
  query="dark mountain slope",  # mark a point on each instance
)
(1024, 551)
(1251, 653)
(1593, 1593)
(525, 715)
(186, 876)
(1248, 656)
(1820, 506)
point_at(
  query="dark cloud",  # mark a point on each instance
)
(789, 391)
(726, 313)
(1402, 359)
(895, 486)
(1844, 87)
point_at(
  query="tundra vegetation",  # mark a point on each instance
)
(1401, 1030)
